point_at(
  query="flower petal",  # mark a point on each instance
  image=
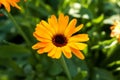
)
(49, 47)
(41, 38)
(77, 53)
(42, 29)
(53, 23)
(63, 22)
(47, 26)
(78, 46)
(70, 28)
(79, 38)
(13, 4)
(42, 34)
(78, 28)
(5, 4)
(52, 52)
(67, 51)
(40, 45)
(16, 0)
(40, 51)
(58, 53)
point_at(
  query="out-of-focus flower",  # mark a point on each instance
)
(75, 11)
(115, 30)
(56, 37)
(8, 3)
(1, 14)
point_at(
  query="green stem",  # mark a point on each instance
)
(19, 28)
(64, 65)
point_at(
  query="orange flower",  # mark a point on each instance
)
(8, 3)
(115, 30)
(56, 37)
(1, 14)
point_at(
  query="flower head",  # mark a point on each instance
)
(56, 37)
(8, 3)
(115, 30)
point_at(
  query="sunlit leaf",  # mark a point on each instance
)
(98, 19)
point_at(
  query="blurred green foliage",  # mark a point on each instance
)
(19, 62)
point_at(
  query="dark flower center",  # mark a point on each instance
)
(59, 40)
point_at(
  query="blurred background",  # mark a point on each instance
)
(19, 62)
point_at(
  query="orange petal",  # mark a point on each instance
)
(78, 46)
(58, 53)
(40, 28)
(41, 38)
(49, 47)
(53, 23)
(52, 52)
(42, 34)
(78, 28)
(16, 0)
(47, 26)
(60, 20)
(70, 28)
(63, 22)
(14, 4)
(77, 53)
(67, 51)
(40, 51)
(79, 38)
(40, 45)
(5, 4)
(61, 17)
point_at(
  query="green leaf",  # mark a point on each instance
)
(6, 27)
(115, 63)
(7, 51)
(81, 76)
(113, 54)
(10, 64)
(61, 78)
(55, 69)
(3, 76)
(102, 74)
(72, 67)
(98, 19)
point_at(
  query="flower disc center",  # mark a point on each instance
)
(59, 40)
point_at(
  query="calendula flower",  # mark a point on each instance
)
(8, 3)
(1, 14)
(56, 37)
(115, 30)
